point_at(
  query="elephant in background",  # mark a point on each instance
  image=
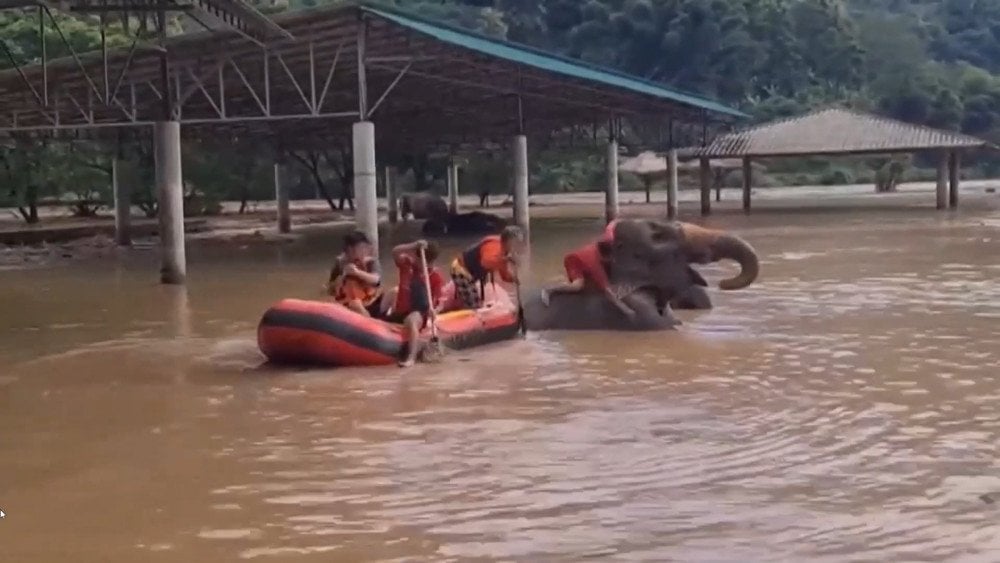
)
(647, 274)
(703, 246)
(472, 223)
(422, 205)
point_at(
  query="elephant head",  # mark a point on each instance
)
(639, 262)
(703, 245)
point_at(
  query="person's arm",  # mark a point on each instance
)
(369, 275)
(407, 250)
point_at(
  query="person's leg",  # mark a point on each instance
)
(575, 286)
(388, 300)
(412, 324)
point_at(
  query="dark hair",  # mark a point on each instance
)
(511, 232)
(355, 238)
(431, 252)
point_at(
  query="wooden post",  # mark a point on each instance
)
(954, 178)
(706, 186)
(672, 184)
(942, 180)
(747, 182)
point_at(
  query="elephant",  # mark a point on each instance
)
(473, 223)
(646, 273)
(703, 246)
(422, 205)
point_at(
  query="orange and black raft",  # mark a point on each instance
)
(295, 331)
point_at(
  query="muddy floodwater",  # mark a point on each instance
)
(845, 408)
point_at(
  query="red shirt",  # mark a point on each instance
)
(408, 269)
(585, 262)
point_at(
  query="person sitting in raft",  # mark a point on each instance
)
(586, 269)
(354, 279)
(412, 307)
(494, 254)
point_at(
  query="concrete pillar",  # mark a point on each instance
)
(672, 184)
(747, 182)
(170, 196)
(366, 214)
(954, 178)
(123, 204)
(392, 203)
(942, 181)
(611, 192)
(281, 188)
(706, 186)
(520, 149)
(452, 187)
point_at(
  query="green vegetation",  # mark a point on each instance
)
(933, 62)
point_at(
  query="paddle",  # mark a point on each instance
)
(434, 350)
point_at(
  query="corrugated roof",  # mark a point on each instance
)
(539, 59)
(833, 131)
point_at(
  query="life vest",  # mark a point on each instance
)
(472, 259)
(588, 259)
(349, 288)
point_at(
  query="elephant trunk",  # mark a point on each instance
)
(719, 245)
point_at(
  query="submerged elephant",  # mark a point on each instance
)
(703, 246)
(422, 205)
(473, 223)
(647, 274)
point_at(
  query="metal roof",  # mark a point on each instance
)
(542, 60)
(427, 84)
(833, 131)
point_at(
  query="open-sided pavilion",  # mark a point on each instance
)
(837, 132)
(301, 77)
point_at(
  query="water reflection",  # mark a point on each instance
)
(843, 408)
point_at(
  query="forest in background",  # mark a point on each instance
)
(933, 62)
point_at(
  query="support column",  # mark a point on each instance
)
(954, 177)
(706, 186)
(366, 214)
(281, 198)
(170, 197)
(123, 204)
(672, 184)
(392, 204)
(521, 217)
(611, 192)
(942, 180)
(452, 187)
(747, 182)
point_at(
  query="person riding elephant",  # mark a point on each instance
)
(643, 272)
(702, 245)
(422, 205)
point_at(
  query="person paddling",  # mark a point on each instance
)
(413, 307)
(354, 278)
(492, 255)
(586, 269)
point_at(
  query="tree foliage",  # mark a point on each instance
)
(933, 62)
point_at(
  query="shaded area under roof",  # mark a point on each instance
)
(427, 83)
(833, 131)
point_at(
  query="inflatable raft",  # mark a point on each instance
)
(296, 331)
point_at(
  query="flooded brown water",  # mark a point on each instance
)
(846, 407)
